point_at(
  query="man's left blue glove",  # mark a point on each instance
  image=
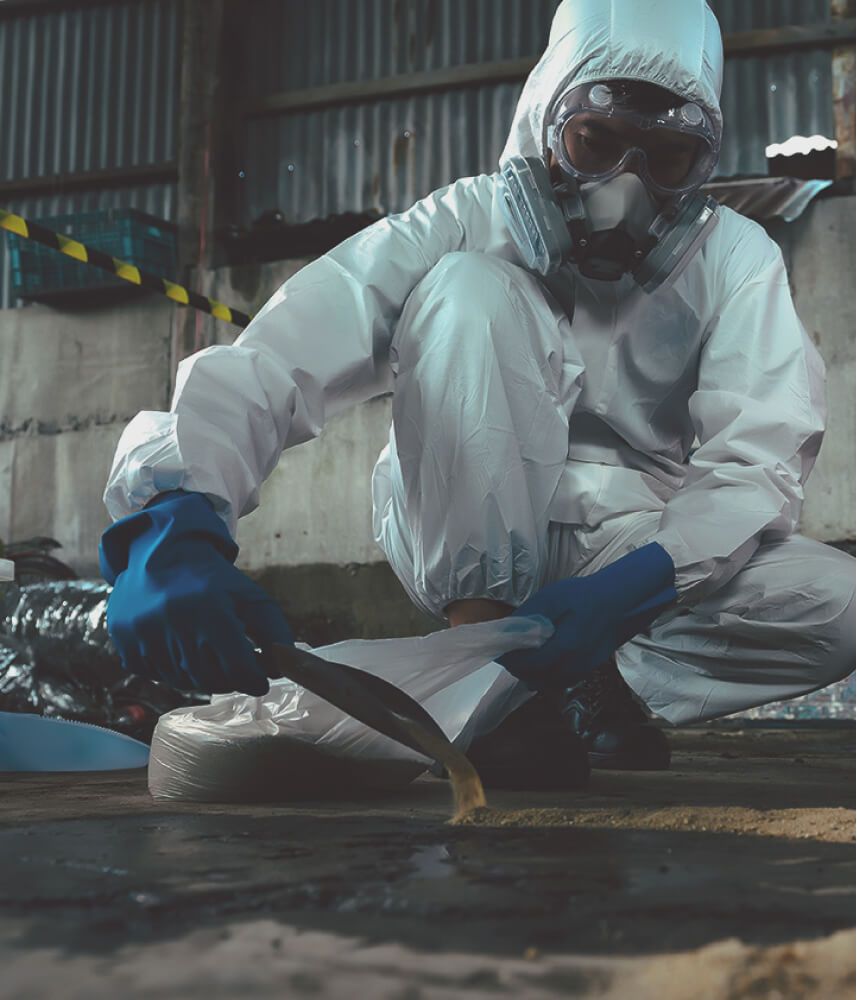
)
(180, 612)
(593, 616)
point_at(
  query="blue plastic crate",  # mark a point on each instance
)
(44, 275)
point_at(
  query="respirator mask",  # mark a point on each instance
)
(623, 197)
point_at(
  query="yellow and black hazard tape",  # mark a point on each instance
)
(120, 268)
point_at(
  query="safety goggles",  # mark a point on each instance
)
(597, 134)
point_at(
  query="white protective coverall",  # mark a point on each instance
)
(525, 448)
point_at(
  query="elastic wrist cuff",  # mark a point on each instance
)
(172, 516)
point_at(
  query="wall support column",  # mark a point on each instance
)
(843, 93)
(199, 126)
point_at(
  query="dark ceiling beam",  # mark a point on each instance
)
(789, 37)
(52, 184)
(357, 91)
(26, 8)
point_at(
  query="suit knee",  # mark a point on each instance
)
(836, 634)
(842, 647)
(471, 273)
(471, 305)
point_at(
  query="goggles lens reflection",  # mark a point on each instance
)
(595, 145)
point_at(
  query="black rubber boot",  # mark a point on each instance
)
(533, 749)
(614, 729)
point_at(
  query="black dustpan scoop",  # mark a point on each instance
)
(383, 707)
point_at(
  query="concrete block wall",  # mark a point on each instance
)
(818, 249)
(317, 506)
(69, 383)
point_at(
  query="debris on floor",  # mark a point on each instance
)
(731, 875)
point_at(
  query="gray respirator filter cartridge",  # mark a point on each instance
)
(533, 214)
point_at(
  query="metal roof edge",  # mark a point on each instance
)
(765, 198)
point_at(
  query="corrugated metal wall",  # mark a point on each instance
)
(379, 155)
(770, 98)
(89, 88)
(745, 15)
(293, 44)
(383, 155)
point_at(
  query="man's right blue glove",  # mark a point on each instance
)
(180, 612)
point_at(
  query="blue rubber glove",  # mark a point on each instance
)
(180, 612)
(593, 616)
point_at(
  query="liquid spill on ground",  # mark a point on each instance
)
(658, 864)
(593, 890)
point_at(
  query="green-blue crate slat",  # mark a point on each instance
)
(130, 235)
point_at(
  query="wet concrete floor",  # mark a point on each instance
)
(749, 836)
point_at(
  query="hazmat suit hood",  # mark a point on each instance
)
(674, 44)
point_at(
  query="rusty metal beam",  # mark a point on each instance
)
(202, 23)
(357, 91)
(29, 187)
(26, 8)
(789, 38)
(843, 92)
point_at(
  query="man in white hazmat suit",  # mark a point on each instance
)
(605, 409)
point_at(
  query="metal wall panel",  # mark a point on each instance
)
(384, 155)
(88, 88)
(96, 87)
(771, 98)
(745, 15)
(292, 44)
(379, 156)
